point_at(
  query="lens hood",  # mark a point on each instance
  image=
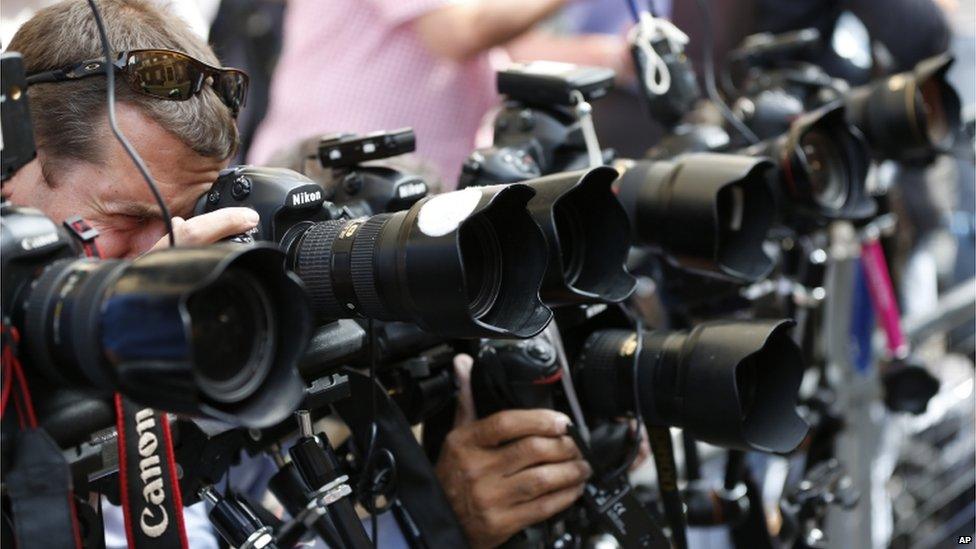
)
(707, 212)
(823, 164)
(491, 285)
(740, 384)
(588, 236)
(909, 115)
(729, 383)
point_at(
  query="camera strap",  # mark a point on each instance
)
(667, 478)
(616, 508)
(652, 70)
(434, 523)
(148, 485)
(39, 482)
(41, 495)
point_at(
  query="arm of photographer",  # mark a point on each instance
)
(509, 470)
(461, 30)
(591, 49)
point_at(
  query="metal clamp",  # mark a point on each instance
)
(331, 492)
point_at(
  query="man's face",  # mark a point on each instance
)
(113, 197)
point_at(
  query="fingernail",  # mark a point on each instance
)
(562, 422)
(252, 216)
(587, 469)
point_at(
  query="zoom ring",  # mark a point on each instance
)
(314, 267)
(363, 267)
(601, 376)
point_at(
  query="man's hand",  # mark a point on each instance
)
(508, 471)
(210, 227)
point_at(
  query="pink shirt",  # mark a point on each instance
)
(358, 66)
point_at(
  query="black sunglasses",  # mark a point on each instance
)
(164, 74)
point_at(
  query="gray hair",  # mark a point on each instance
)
(68, 117)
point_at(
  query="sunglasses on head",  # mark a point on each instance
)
(164, 74)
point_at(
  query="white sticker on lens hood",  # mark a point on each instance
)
(444, 212)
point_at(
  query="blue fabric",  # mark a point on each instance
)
(862, 325)
(607, 16)
(143, 327)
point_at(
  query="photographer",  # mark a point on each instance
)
(502, 473)
(81, 170)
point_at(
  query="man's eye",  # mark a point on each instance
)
(135, 220)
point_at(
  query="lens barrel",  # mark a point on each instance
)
(464, 264)
(215, 331)
(706, 212)
(729, 383)
(909, 115)
(823, 164)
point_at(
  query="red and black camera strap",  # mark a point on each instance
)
(148, 483)
(38, 482)
(41, 496)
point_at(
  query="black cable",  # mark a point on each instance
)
(708, 66)
(662, 450)
(638, 416)
(692, 459)
(735, 465)
(367, 472)
(728, 86)
(110, 101)
(374, 526)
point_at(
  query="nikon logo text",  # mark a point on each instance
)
(411, 189)
(305, 197)
(153, 519)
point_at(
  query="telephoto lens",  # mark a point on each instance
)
(707, 212)
(466, 264)
(823, 164)
(463, 264)
(909, 115)
(729, 383)
(212, 331)
(588, 235)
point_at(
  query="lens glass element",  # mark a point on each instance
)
(232, 336)
(572, 242)
(825, 165)
(936, 120)
(482, 257)
(747, 383)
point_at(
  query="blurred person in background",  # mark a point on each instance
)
(367, 65)
(909, 31)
